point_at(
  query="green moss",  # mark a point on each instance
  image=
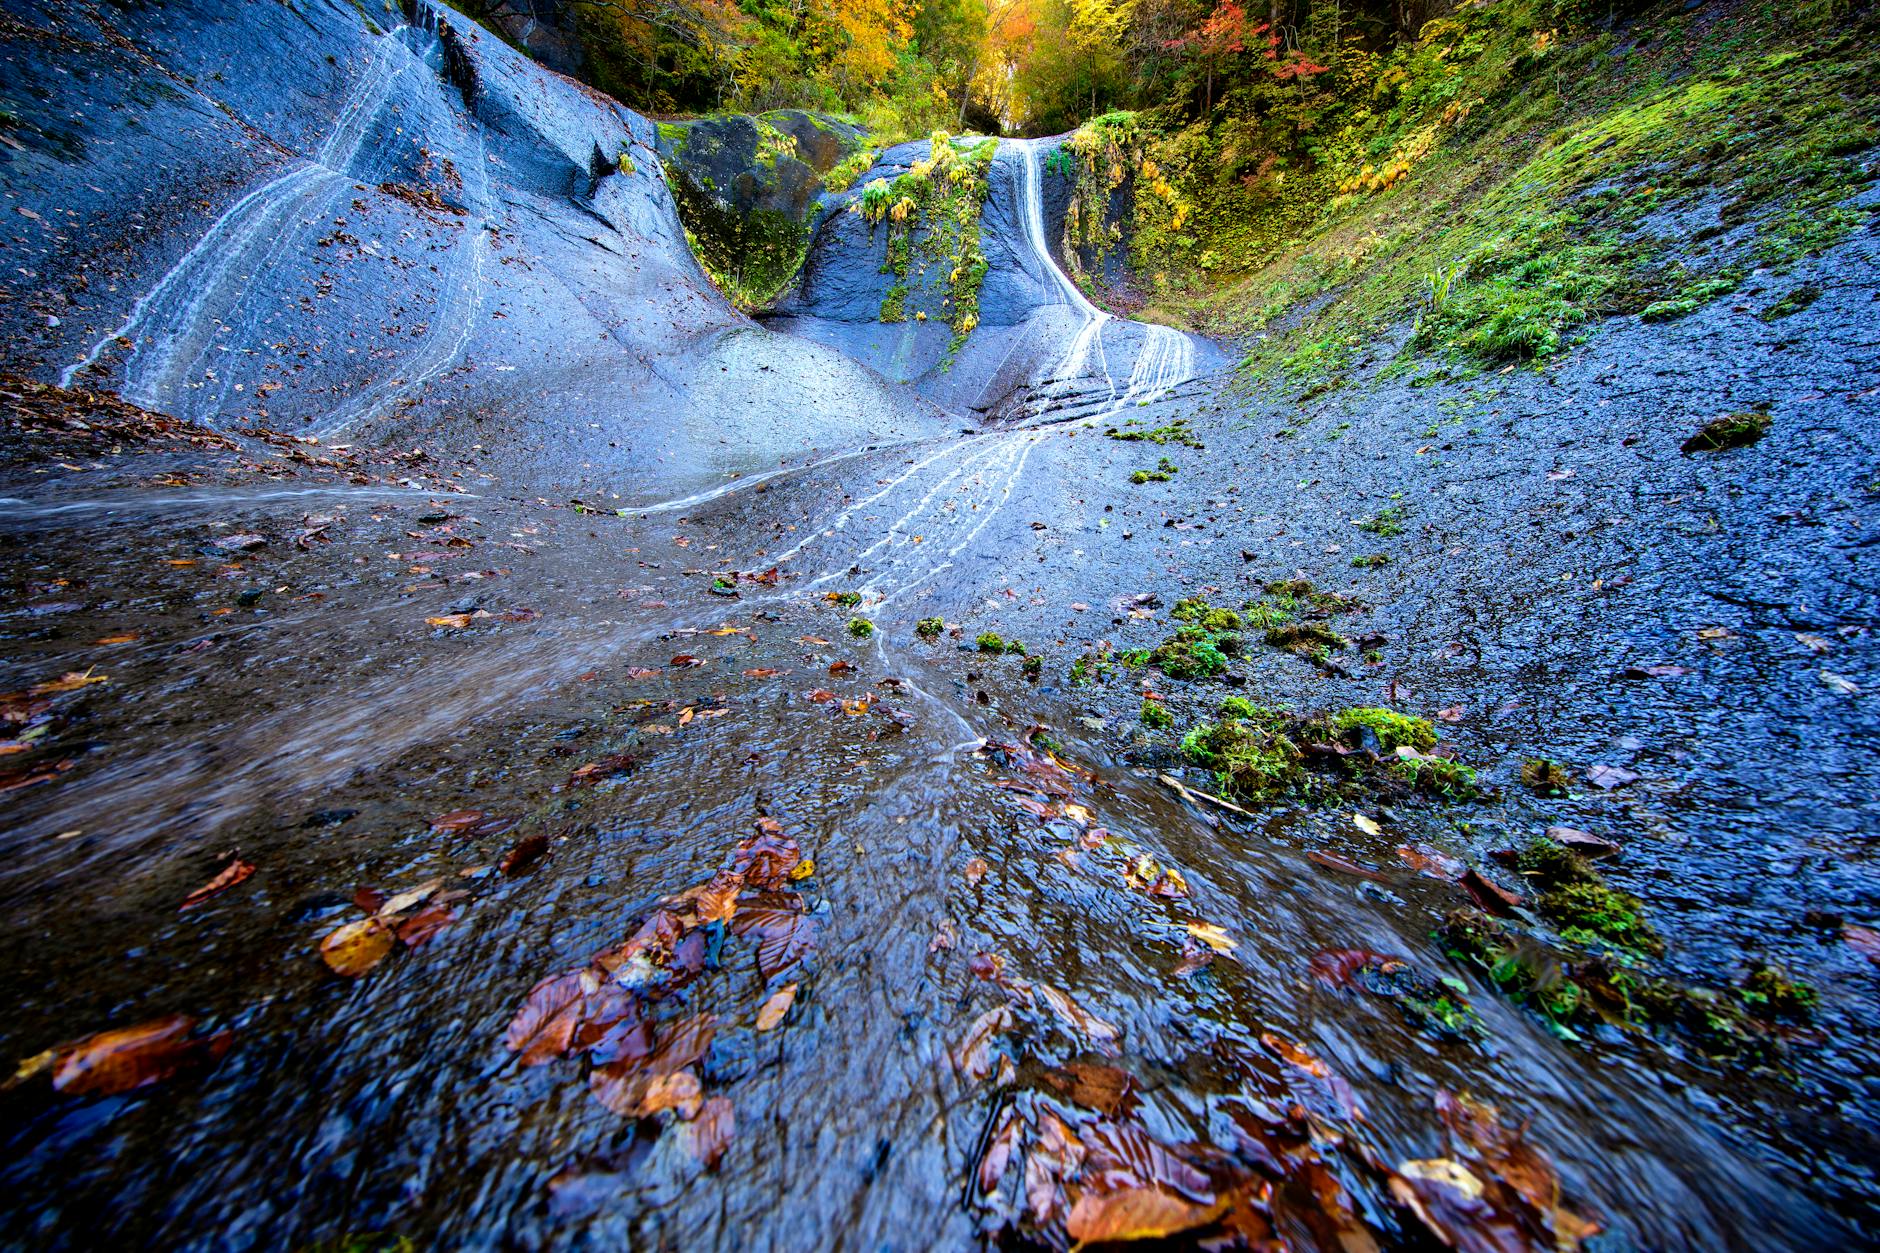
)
(1163, 472)
(1206, 616)
(1033, 667)
(1575, 898)
(1738, 430)
(931, 215)
(1769, 993)
(1793, 301)
(1439, 776)
(847, 600)
(1544, 777)
(989, 642)
(1155, 717)
(1307, 639)
(1250, 761)
(1175, 432)
(861, 628)
(1239, 707)
(929, 628)
(1371, 561)
(1386, 522)
(1392, 728)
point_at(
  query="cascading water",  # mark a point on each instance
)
(1165, 357)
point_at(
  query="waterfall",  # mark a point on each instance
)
(1165, 358)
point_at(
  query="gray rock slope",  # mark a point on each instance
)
(385, 226)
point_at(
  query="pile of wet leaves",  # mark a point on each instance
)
(620, 1011)
(1072, 1155)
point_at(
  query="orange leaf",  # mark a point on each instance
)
(1135, 1214)
(232, 874)
(770, 1015)
(357, 947)
(127, 1058)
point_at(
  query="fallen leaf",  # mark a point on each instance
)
(1585, 843)
(1339, 967)
(999, 1150)
(544, 1027)
(640, 672)
(1109, 1090)
(1813, 643)
(679, 1091)
(770, 1014)
(975, 871)
(1135, 1214)
(1097, 1031)
(1863, 940)
(685, 661)
(762, 672)
(241, 542)
(425, 925)
(841, 667)
(1451, 714)
(127, 1058)
(471, 822)
(1345, 865)
(524, 854)
(69, 682)
(1367, 825)
(708, 1135)
(410, 898)
(1215, 937)
(1491, 896)
(1839, 684)
(116, 639)
(355, 948)
(1431, 862)
(1609, 777)
(973, 1057)
(235, 872)
(606, 768)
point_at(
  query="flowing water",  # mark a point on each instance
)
(953, 864)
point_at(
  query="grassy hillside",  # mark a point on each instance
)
(1485, 193)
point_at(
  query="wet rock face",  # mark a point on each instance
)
(388, 227)
(750, 189)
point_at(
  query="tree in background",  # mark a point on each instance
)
(1228, 33)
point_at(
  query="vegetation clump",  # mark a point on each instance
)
(1312, 640)
(1544, 777)
(1575, 898)
(1385, 523)
(1176, 432)
(1393, 729)
(1193, 652)
(1163, 472)
(1737, 430)
(931, 216)
(861, 628)
(1205, 615)
(990, 642)
(929, 628)
(1439, 776)
(1370, 561)
(1252, 757)
(1155, 717)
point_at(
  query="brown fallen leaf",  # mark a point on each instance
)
(679, 1091)
(425, 925)
(975, 871)
(1109, 1090)
(355, 948)
(523, 854)
(241, 542)
(116, 639)
(686, 661)
(1585, 843)
(841, 667)
(470, 822)
(1338, 967)
(1863, 940)
(606, 768)
(233, 873)
(127, 1058)
(708, 1135)
(1345, 865)
(543, 1029)
(68, 682)
(762, 672)
(1488, 894)
(1431, 862)
(973, 1057)
(1609, 777)
(408, 899)
(999, 1150)
(640, 672)
(1135, 1214)
(1100, 1033)
(770, 1014)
